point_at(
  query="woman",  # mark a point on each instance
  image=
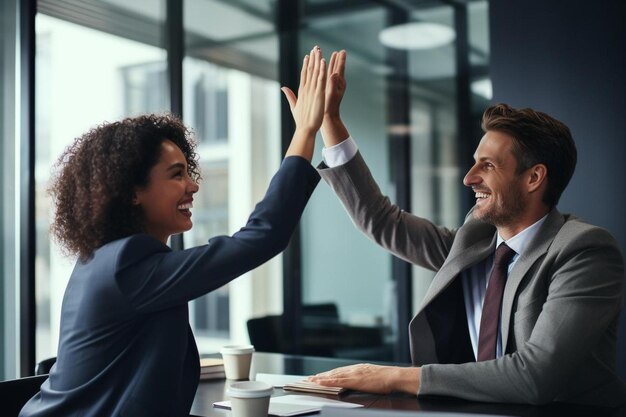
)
(126, 348)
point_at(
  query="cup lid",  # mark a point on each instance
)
(250, 389)
(237, 349)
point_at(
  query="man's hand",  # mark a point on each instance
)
(333, 129)
(335, 84)
(371, 378)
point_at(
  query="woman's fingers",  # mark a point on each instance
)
(290, 96)
(303, 71)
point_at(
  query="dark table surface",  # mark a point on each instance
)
(212, 391)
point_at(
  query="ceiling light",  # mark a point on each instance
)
(416, 35)
(482, 88)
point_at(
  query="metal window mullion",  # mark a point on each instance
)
(398, 114)
(28, 306)
(288, 15)
(175, 47)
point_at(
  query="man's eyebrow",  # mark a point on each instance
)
(176, 166)
(487, 158)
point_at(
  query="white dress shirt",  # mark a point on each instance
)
(475, 278)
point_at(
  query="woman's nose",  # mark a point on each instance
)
(193, 186)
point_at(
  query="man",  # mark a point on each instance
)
(531, 322)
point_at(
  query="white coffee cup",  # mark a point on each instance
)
(237, 359)
(250, 398)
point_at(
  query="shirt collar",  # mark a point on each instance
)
(519, 242)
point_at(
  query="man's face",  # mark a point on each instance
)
(500, 196)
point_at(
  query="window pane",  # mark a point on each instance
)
(9, 218)
(231, 100)
(84, 77)
(349, 270)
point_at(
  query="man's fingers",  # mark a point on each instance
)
(341, 62)
(331, 63)
(335, 81)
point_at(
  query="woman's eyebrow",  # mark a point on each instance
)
(176, 166)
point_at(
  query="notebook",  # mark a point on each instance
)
(211, 368)
(296, 405)
(304, 386)
(335, 412)
(297, 383)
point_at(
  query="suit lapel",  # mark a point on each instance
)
(460, 259)
(536, 248)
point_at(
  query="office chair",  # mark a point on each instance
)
(16, 392)
(266, 334)
(43, 367)
(322, 335)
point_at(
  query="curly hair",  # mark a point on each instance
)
(537, 139)
(96, 178)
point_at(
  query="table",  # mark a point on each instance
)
(211, 391)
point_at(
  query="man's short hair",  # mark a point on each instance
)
(537, 139)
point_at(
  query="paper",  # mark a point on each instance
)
(295, 405)
(278, 380)
(334, 412)
(211, 362)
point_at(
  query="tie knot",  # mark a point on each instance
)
(504, 254)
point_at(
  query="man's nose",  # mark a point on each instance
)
(471, 178)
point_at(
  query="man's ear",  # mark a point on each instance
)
(537, 176)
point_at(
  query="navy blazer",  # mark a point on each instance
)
(126, 347)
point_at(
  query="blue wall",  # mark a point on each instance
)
(568, 58)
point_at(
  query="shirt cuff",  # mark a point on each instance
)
(340, 153)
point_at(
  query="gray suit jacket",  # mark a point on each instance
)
(560, 309)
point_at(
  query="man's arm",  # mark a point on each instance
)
(407, 236)
(559, 361)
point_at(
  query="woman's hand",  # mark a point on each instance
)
(308, 107)
(376, 379)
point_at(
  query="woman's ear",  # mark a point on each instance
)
(137, 197)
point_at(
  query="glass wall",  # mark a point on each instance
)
(101, 60)
(340, 265)
(9, 220)
(83, 77)
(113, 66)
(231, 99)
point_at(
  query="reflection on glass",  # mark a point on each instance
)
(84, 77)
(232, 104)
(341, 266)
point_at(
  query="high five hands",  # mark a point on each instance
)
(318, 100)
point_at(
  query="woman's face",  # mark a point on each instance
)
(167, 199)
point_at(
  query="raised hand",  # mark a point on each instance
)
(333, 129)
(336, 83)
(308, 107)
